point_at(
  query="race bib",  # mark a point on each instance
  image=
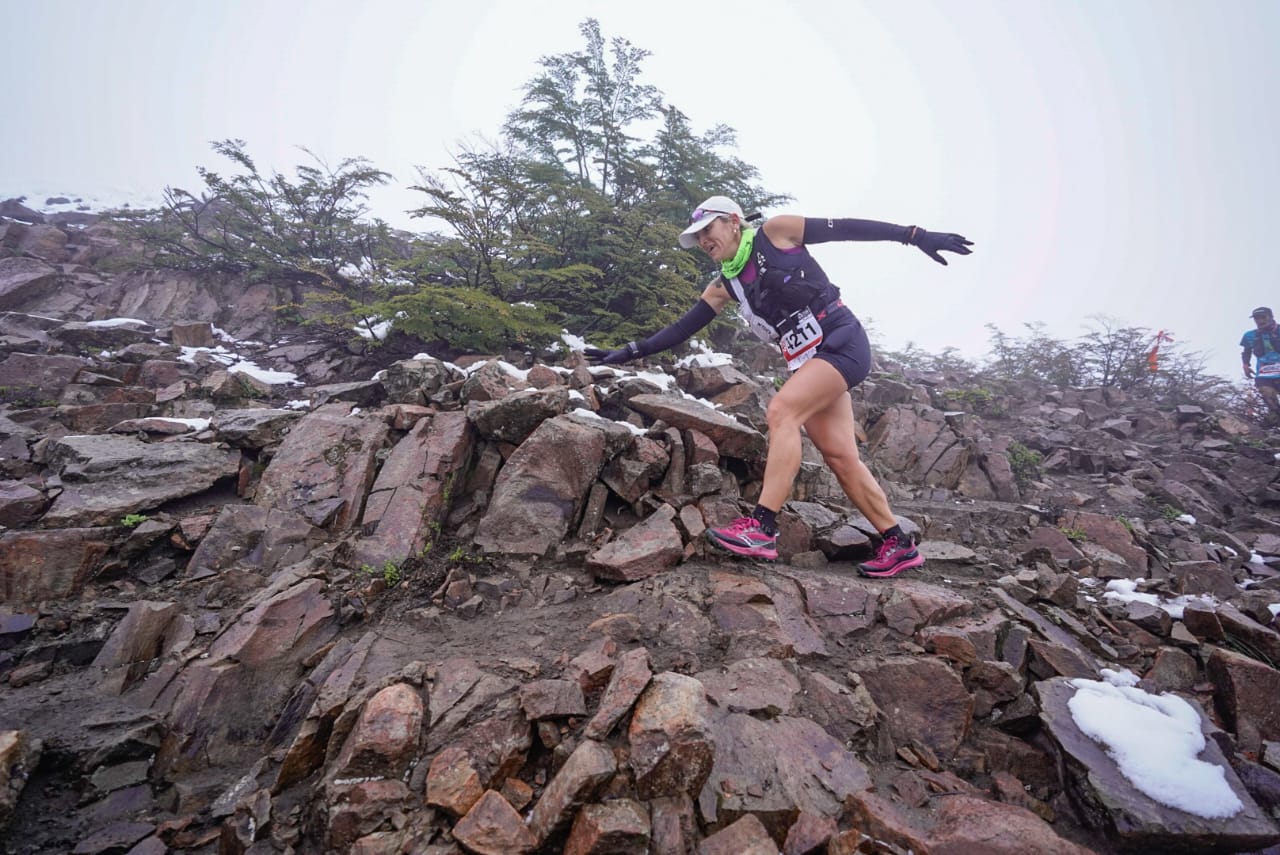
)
(1269, 369)
(798, 337)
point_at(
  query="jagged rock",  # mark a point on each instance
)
(512, 418)
(619, 827)
(730, 437)
(912, 605)
(757, 686)
(385, 737)
(14, 209)
(48, 565)
(247, 674)
(923, 700)
(746, 836)
(543, 699)
(411, 495)
(149, 631)
(19, 756)
(97, 335)
(492, 827)
(251, 537)
(670, 737)
(20, 504)
(452, 782)
(645, 549)
(21, 279)
(415, 381)
(1236, 624)
(968, 824)
(587, 769)
(107, 477)
(1245, 691)
(255, 427)
(630, 677)
(329, 458)
(776, 769)
(541, 489)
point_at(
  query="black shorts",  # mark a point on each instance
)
(845, 345)
(1267, 382)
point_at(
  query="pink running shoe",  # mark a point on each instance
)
(744, 536)
(893, 557)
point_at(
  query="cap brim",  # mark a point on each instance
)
(689, 237)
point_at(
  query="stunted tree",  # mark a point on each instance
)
(309, 230)
(1115, 355)
(580, 110)
(1036, 357)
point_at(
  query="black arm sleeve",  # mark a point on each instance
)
(821, 231)
(694, 319)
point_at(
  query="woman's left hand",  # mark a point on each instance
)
(596, 356)
(931, 243)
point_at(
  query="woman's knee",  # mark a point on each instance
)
(841, 459)
(780, 415)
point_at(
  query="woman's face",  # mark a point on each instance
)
(720, 239)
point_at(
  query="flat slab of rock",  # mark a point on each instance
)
(1110, 800)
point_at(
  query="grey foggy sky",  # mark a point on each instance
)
(1115, 158)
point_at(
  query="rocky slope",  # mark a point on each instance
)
(441, 607)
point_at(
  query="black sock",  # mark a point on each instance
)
(768, 519)
(894, 530)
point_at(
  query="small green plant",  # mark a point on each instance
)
(1025, 463)
(974, 396)
(461, 555)
(391, 575)
(1076, 534)
(1124, 521)
(1169, 512)
(131, 520)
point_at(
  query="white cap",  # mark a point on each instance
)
(716, 206)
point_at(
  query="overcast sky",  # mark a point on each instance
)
(1106, 158)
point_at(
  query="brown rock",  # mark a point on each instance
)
(544, 699)
(747, 836)
(671, 747)
(492, 827)
(588, 768)
(616, 827)
(630, 677)
(385, 738)
(452, 782)
(808, 834)
(923, 699)
(966, 824)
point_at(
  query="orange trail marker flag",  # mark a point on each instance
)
(1153, 357)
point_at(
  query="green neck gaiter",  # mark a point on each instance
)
(733, 266)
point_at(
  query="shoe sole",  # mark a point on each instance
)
(745, 551)
(894, 570)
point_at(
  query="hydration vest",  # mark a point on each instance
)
(1264, 338)
(785, 282)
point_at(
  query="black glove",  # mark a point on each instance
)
(931, 243)
(596, 356)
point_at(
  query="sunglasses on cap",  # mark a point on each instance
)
(702, 212)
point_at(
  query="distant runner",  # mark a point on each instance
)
(1263, 344)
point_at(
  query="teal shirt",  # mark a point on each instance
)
(1270, 356)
